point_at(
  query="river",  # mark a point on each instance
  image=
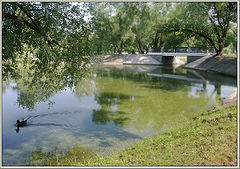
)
(107, 111)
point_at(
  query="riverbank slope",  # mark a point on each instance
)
(223, 65)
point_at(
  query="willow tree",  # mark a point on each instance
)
(208, 22)
(112, 23)
(53, 31)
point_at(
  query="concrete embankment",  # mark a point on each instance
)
(133, 59)
(223, 65)
(129, 59)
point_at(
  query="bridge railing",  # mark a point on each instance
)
(199, 50)
(185, 50)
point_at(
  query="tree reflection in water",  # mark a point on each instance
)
(36, 83)
(103, 117)
(107, 112)
(138, 99)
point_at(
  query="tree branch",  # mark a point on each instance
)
(202, 35)
(18, 18)
(194, 32)
(28, 13)
(214, 4)
(34, 25)
(215, 28)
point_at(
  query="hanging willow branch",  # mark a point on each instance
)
(34, 24)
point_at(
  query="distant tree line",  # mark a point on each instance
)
(60, 32)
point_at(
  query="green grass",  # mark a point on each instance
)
(232, 55)
(207, 140)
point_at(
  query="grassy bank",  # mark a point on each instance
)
(207, 140)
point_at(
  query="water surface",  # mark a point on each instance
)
(107, 111)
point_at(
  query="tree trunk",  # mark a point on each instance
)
(121, 47)
(155, 42)
(161, 42)
(115, 49)
(220, 49)
(140, 47)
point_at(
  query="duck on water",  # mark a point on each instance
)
(22, 123)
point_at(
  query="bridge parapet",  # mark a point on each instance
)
(185, 50)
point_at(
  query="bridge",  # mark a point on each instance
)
(192, 54)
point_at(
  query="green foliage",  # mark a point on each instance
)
(138, 26)
(231, 43)
(58, 31)
(208, 23)
(112, 23)
(128, 26)
(47, 31)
